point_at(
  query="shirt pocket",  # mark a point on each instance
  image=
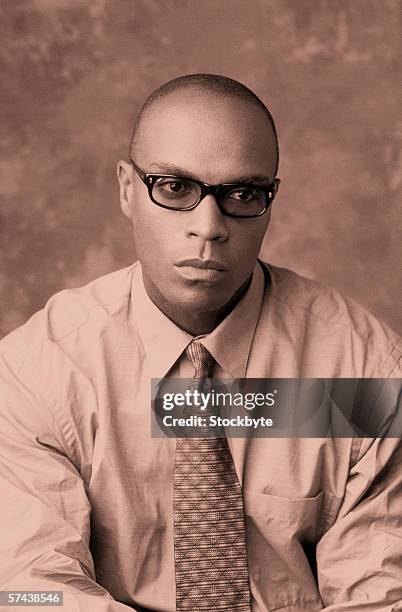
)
(281, 537)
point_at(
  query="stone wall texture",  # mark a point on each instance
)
(74, 74)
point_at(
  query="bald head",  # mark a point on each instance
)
(202, 89)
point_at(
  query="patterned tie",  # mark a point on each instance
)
(209, 535)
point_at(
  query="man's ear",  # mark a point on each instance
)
(124, 174)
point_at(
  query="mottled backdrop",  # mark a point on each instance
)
(74, 73)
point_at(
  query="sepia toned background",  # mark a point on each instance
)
(74, 74)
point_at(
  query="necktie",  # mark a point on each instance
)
(209, 535)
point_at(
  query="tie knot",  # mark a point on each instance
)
(201, 359)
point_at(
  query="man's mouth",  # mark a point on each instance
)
(201, 270)
(202, 264)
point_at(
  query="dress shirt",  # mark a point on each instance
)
(87, 492)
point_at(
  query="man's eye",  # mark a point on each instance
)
(172, 186)
(244, 194)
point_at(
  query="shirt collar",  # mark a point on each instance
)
(162, 339)
(229, 343)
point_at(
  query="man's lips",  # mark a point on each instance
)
(202, 264)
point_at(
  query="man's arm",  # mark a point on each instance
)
(359, 559)
(44, 509)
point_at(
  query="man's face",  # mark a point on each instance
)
(214, 140)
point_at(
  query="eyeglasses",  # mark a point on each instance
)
(241, 200)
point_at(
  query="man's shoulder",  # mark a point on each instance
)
(314, 298)
(69, 310)
(304, 298)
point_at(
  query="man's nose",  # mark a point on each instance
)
(206, 221)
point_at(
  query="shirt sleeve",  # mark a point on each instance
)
(359, 559)
(44, 509)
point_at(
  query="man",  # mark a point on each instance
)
(92, 504)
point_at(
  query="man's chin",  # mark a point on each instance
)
(175, 295)
(205, 296)
(200, 296)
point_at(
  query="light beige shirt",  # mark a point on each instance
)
(87, 493)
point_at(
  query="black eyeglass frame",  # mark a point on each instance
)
(149, 180)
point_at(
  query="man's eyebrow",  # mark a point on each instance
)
(160, 167)
(255, 178)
